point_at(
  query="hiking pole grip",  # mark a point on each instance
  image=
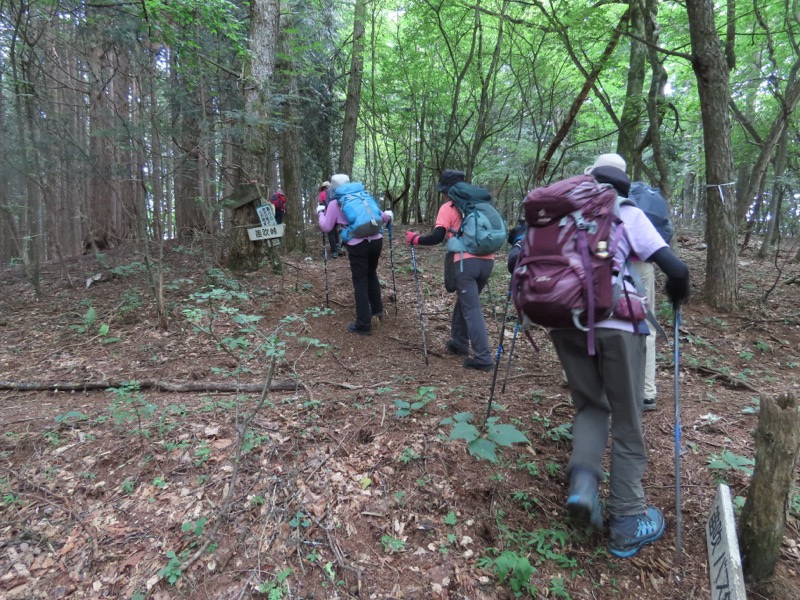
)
(676, 307)
(391, 262)
(419, 304)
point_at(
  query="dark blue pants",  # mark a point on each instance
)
(364, 268)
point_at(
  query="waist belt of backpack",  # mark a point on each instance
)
(640, 289)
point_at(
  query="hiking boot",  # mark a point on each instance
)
(630, 533)
(583, 501)
(334, 255)
(472, 363)
(453, 348)
(377, 319)
(649, 404)
(351, 328)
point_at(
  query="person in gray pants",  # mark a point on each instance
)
(465, 274)
(607, 389)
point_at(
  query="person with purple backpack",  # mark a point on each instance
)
(606, 383)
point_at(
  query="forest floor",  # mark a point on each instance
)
(345, 484)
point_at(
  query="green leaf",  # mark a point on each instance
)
(464, 431)
(505, 435)
(483, 448)
(70, 415)
(450, 518)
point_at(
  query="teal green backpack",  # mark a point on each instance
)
(483, 231)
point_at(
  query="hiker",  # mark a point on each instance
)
(362, 235)
(466, 274)
(333, 234)
(606, 385)
(655, 207)
(278, 200)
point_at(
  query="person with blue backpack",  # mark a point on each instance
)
(468, 262)
(361, 221)
(655, 206)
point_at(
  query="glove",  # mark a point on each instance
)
(390, 213)
(320, 208)
(678, 290)
(412, 237)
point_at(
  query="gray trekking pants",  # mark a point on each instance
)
(468, 327)
(606, 391)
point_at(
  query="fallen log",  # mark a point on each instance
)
(287, 385)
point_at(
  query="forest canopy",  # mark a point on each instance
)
(133, 122)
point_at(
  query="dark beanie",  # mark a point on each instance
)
(448, 178)
(616, 177)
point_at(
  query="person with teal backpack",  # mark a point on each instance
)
(361, 221)
(468, 262)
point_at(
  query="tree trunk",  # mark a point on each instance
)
(711, 69)
(293, 231)
(102, 195)
(764, 515)
(259, 72)
(655, 103)
(31, 240)
(353, 101)
(633, 111)
(779, 189)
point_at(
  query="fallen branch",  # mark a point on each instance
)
(288, 385)
(726, 378)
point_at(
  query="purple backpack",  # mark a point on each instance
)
(565, 273)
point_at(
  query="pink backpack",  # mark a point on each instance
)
(565, 275)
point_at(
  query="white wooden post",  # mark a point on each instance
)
(724, 560)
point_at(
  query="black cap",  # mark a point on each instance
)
(616, 177)
(448, 178)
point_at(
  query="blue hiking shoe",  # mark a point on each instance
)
(583, 501)
(630, 533)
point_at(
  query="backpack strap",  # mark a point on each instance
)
(651, 317)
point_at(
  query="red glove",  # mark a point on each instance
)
(412, 238)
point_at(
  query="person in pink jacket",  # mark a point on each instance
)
(364, 254)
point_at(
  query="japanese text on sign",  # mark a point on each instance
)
(265, 233)
(725, 565)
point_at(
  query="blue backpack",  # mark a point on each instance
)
(653, 204)
(483, 231)
(364, 216)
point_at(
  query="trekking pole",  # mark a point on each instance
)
(499, 353)
(391, 261)
(419, 304)
(676, 358)
(510, 356)
(325, 262)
